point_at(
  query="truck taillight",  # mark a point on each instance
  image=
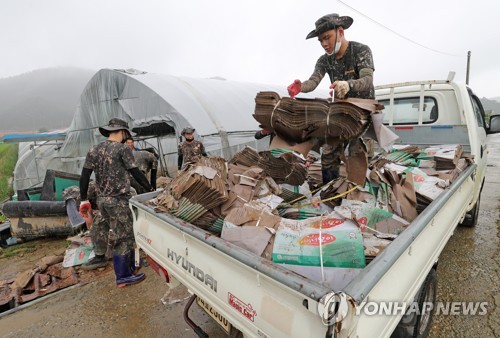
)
(159, 269)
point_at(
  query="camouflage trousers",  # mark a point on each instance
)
(116, 220)
(99, 233)
(331, 155)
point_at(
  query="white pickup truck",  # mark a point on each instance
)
(254, 297)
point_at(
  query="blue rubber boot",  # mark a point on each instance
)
(123, 271)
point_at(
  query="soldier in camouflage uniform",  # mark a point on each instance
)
(99, 229)
(112, 161)
(190, 150)
(130, 143)
(147, 163)
(349, 65)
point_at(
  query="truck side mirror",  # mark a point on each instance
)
(494, 124)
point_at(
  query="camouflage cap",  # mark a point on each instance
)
(188, 130)
(113, 125)
(330, 21)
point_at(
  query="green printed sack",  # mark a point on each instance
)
(301, 246)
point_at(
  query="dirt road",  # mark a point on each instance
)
(469, 265)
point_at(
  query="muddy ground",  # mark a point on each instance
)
(468, 271)
(97, 308)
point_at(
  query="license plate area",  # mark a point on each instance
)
(214, 314)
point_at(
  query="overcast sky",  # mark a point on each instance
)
(259, 41)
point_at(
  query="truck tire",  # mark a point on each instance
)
(472, 216)
(418, 324)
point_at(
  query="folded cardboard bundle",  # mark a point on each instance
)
(284, 165)
(445, 156)
(298, 120)
(197, 189)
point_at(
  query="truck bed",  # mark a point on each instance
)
(264, 299)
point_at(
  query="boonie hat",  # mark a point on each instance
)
(188, 130)
(113, 125)
(330, 21)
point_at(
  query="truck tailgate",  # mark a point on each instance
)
(257, 296)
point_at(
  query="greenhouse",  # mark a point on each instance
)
(157, 108)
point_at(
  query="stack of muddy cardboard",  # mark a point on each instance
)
(299, 120)
(282, 164)
(265, 203)
(420, 166)
(305, 124)
(448, 161)
(47, 276)
(200, 188)
(336, 228)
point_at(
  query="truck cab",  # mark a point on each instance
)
(428, 113)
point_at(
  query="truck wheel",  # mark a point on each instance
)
(417, 324)
(472, 216)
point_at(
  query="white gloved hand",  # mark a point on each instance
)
(341, 88)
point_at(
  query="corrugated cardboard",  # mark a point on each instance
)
(302, 148)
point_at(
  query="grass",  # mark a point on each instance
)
(8, 159)
(17, 250)
(49, 245)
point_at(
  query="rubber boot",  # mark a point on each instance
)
(123, 272)
(98, 261)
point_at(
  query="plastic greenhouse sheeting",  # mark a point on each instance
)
(157, 107)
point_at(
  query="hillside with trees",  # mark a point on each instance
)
(491, 105)
(41, 100)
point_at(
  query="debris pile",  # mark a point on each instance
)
(289, 223)
(48, 275)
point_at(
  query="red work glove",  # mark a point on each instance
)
(85, 208)
(294, 88)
